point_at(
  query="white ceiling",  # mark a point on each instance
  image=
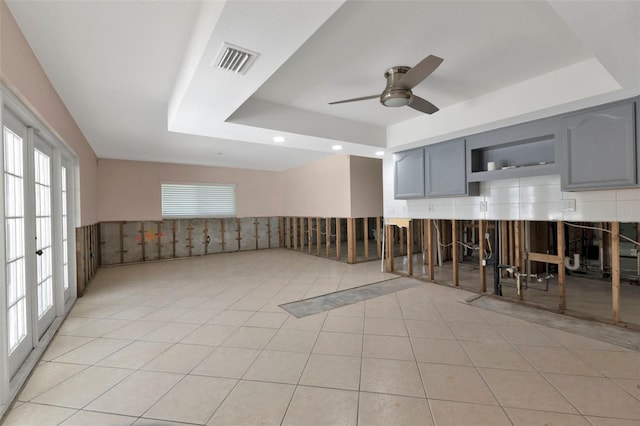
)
(137, 76)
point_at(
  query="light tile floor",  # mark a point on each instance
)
(203, 341)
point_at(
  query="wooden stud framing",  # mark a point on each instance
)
(365, 237)
(205, 235)
(269, 231)
(318, 236)
(351, 240)
(173, 238)
(310, 232)
(302, 234)
(238, 232)
(425, 239)
(432, 270)
(410, 248)
(562, 292)
(281, 228)
(222, 242)
(295, 233)
(379, 236)
(338, 238)
(389, 248)
(159, 238)
(615, 271)
(121, 241)
(401, 238)
(143, 241)
(257, 236)
(454, 251)
(483, 273)
(327, 237)
(504, 252)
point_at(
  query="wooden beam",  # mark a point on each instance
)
(562, 291)
(365, 237)
(401, 237)
(281, 220)
(351, 240)
(302, 238)
(318, 236)
(295, 233)
(310, 232)
(379, 236)
(222, 230)
(338, 238)
(389, 247)
(410, 248)
(327, 237)
(546, 258)
(432, 270)
(454, 251)
(425, 239)
(483, 271)
(615, 271)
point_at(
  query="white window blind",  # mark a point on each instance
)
(198, 200)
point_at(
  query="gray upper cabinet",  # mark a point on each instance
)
(599, 149)
(445, 170)
(409, 174)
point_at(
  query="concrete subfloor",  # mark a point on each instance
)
(203, 341)
(588, 297)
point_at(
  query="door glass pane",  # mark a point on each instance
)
(65, 247)
(44, 274)
(14, 241)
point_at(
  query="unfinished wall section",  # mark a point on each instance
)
(141, 241)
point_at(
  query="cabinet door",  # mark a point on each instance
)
(599, 149)
(445, 169)
(409, 174)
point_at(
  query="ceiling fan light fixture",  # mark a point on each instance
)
(396, 98)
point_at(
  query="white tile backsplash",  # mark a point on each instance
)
(531, 198)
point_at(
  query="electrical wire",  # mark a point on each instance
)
(624, 237)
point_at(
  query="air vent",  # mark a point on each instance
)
(235, 59)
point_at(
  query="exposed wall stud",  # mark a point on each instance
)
(318, 236)
(430, 242)
(327, 237)
(338, 238)
(454, 251)
(389, 249)
(615, 271)
(410, 248)
(365, 237)
(351, 240)
(379, 236)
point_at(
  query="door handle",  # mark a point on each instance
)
(39, 252)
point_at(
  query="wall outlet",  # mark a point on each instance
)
(568, 205)
(483, 206)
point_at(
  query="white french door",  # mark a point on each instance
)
(18, 311)
(36, 254)
(42, 181)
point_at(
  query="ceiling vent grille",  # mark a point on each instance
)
(235, 59)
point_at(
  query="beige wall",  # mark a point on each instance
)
(318, 189)
(21, 72)
(366, 186)
(130, 190)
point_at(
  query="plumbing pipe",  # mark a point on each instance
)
(576, 262)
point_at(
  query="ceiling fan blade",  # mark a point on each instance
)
(422, 70)
(422, 105)
(364, 98)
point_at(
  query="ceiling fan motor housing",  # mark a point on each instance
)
(395, 95)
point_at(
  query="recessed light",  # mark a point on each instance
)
(336, 147)
(278, 139)
(379, 153)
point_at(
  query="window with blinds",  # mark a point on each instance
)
(198, 200)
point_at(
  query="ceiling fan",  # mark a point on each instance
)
(400, 81)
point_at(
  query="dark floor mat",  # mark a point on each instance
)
(327, 302)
